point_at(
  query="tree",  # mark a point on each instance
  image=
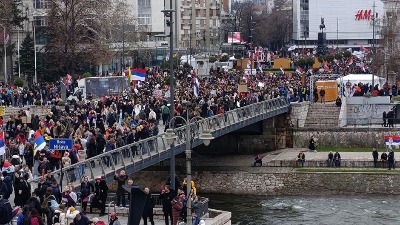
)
(11, 13)
(271, 28)
(27, 58)
(80, 32)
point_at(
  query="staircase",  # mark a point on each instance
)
(323, 115)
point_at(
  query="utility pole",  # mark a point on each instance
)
(251, 42)
(373, 42)
(337, 33)
(123, 46)
(5, 53)
(34, 48)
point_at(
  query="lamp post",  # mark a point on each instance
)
(373, 42)
(34, 48)
(168, 13)
(206, 136)
(5, 53)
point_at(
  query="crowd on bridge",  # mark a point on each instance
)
(102, 125)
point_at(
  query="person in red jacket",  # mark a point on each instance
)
(176, 210)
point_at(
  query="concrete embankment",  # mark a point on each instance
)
(264, 181)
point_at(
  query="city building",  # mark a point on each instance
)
(348, 24)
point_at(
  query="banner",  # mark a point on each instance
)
(234, 37)
(392, 140)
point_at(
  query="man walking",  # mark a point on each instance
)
(322, 94)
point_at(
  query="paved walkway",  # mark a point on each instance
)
(284, 154)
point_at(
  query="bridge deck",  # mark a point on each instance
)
(142, 154)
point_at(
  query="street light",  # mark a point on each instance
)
(168, 13)
(206, 136)
(5, 53)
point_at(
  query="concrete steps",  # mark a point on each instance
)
(322, 115)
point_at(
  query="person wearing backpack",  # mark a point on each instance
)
(165, 114)
(47, 208)
(24, 218)
(34, 203)
(7, 179)
(36, 219)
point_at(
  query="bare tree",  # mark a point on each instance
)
(390, 41)
(80, 32)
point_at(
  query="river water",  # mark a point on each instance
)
(329, 210)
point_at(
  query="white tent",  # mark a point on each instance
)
(363, 78)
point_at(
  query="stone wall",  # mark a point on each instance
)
(343, 137)
(367, 110)
(298, 113)
(261, 182)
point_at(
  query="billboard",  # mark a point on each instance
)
(234, 37)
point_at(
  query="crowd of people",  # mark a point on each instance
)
(105, 124)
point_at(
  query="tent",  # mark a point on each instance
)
(363, 78)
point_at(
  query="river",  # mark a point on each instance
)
(308, 210)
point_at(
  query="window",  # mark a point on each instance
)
(41, 4)
(144, 19)
(39, 21)
(144, 3)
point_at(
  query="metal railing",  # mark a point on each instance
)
(136, 156)
(370, 122)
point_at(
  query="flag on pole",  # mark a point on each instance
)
(195, 84)
(139, 74)
(2, 144)
(39, 142)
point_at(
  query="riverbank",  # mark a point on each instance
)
(234, 174)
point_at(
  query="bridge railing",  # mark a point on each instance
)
(135, 153)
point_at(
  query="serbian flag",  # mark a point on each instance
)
(39, 142)
(392, 140)
(195, 84)
(2, 144)
(7, 166)
(138, 74)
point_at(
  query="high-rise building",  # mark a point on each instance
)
(348, 24)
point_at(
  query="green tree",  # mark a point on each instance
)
(224, 58)
(27, 58)
(212, 59)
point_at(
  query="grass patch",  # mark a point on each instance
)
(351, 149)
(395, 99)
(346, 170)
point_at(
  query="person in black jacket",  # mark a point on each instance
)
(166, 196)
(121, 179)
(34, 203)
(148, 207)
(99, 200)
(391, 159)
(86, 189)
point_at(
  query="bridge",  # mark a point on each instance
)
(139, 155)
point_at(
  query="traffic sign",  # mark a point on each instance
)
(60, 144)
